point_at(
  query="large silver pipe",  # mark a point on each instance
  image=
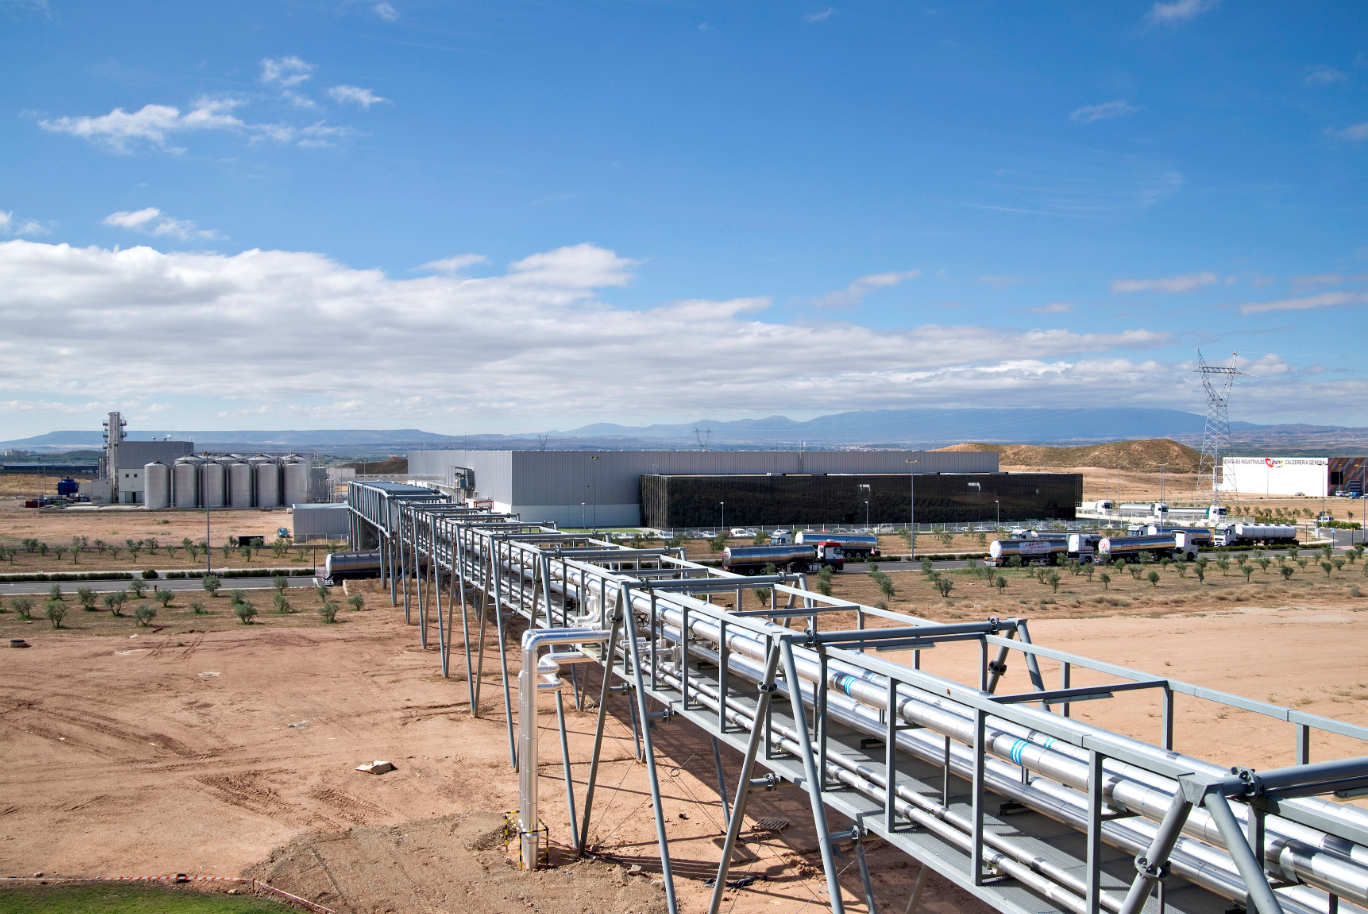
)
(1324, 861)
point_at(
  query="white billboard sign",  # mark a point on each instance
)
(1276, 475)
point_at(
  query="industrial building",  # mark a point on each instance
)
(674, 502)
(605, 488)
(168, 474)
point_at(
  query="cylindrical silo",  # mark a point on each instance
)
(267, 484)
(241, 484)
(157, 482)
(213, 484)
(185, 483)
(297, 472)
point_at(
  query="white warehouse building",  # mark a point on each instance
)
(1275, 475)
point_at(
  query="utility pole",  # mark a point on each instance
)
(1162, 468)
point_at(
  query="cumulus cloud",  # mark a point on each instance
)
(119, 129)
(152, 221)
(532, 339)
(1179, 11)
(1090, 113)
(1187, 283)
(385, 12)
(454, 264)
(1057, 307)
(11, 226)
(1324, 300)
(285, 71)
(352, 95)
(853, 294)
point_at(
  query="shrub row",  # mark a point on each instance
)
(69, 576)
(246, 573)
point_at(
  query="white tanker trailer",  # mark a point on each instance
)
(1136, 548)
(1045, 551)
(1255, 534)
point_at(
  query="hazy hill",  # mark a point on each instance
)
(1138, 456)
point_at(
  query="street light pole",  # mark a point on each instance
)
(595, 488)
(208, 548)
(724, 517)
(998, 505)
(912, 508)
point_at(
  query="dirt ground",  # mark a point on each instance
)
(232, 750)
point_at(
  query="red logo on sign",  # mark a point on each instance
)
(1269, 461)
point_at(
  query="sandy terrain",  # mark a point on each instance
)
(174, 751)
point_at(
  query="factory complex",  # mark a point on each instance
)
(680, 489)
(1309, 476)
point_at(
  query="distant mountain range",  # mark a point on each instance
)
(859, 429)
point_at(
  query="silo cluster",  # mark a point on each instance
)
(231, 481)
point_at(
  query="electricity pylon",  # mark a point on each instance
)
(1217, 381)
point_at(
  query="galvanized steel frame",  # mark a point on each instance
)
(681, 654)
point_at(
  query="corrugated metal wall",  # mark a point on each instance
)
(493, 469)
(133, 455)
(319, 522)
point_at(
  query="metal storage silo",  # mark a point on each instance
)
(297, 473)
(185, 483)
(213, 484)
(267, 483)
(241, 484)
(157, 482)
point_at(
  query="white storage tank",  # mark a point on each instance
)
(241, 484)
(157, 482)
(297, 473)
(267, 483)
(213, 485)
(185, 483)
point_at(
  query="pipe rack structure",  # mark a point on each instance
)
(1005, 795)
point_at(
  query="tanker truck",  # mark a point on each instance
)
(809, 556)
(1255, 534)
(1043, 551)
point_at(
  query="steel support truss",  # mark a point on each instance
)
(1004, 795)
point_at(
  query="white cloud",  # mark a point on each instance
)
(454, 264)
(1324, 300)
(298, 100)
(527, 342)
(1187, 283)
(1058, 307)
(1179, 11)
(363, 97)
(1090, 113)
(285, 71)
(152, 221)
(385, 12)
(1356, 133)
(119, 129)
(853, 294)
(1325, 75)
(818, 17)
(11, 226)
(1000, 282)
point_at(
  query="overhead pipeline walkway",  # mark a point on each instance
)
(1004, 795)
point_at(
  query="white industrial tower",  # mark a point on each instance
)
(113, 434)
(1217, 381)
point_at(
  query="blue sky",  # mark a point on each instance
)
(516, 216)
